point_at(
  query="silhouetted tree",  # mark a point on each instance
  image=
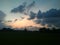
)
(25, 30)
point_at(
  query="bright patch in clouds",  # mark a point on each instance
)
(22, 23)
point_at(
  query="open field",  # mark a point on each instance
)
(29, 38)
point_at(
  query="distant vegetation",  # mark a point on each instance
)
(53, 30)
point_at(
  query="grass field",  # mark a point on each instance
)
(22, 38)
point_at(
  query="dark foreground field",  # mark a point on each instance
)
(35, 38)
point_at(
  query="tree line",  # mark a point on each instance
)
(25, 30)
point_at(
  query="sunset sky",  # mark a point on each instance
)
(24, 13)
(43, 5)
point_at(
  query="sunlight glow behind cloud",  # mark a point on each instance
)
(29, 14)
(23, 23)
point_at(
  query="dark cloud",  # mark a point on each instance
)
(23, 8)
(20, 8)
(39, 15)
(54, 21)
(50, 13)
(32, 15)
(50, 17)
(2, 16)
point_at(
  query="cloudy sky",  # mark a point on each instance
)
(19, 13)
(43, 5)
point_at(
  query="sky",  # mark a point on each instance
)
(14, 12)
(43, 5)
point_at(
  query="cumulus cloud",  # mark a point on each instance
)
(39, 15)
(32, 15)
(50, 13)
(51, 17)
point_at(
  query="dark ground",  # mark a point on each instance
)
(35, 38)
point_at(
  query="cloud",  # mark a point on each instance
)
(2, 16)
(24, 8)
(50, 17)
(39, 15)
(20, 8)
(23, 23)
(50, 13)
(32, 15)
(53, 21)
